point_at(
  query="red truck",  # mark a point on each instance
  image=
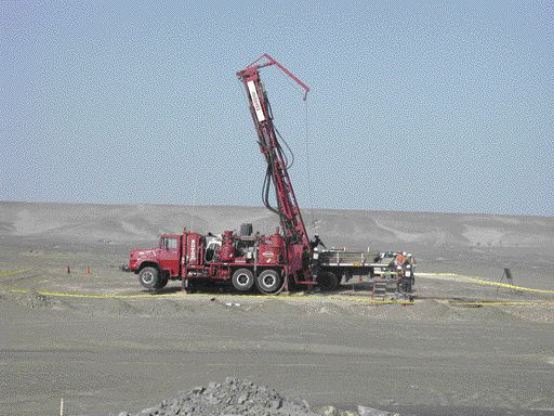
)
(248, 261)
(268, 262)
(245, 260)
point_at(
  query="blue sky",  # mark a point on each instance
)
(415, 106)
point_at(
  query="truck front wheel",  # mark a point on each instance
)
(269, 281)
(243, 280)
(150, 278)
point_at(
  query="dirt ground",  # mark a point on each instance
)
(465, 346)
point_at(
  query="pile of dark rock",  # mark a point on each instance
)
(232, 397)
(236, 397)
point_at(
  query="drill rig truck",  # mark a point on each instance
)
(270, 263)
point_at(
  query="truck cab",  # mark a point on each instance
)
(155, 266)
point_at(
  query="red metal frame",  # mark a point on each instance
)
(288, 209)
(272, 61)
(290, 214)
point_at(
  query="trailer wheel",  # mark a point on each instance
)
(269, 281)
(149, 278)
(328, 281)
(243, 280)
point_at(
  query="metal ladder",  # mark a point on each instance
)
(379, 289)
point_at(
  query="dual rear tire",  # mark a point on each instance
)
(243, 280)
(267, 282)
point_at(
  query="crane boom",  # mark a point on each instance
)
(288, 209)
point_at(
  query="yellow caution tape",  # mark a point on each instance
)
(184, 295)
(498, 303)
(14, 272)
(370, 300)
(342, 298)
(293, 297)
(479, 281)
(92, 295)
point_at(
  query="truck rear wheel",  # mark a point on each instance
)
(163, 281)
(243, 280)
(269, 281)
(328, 281)
(150, 278)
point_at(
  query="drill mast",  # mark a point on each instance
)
(288, 210)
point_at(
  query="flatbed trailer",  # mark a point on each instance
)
(397, 269)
